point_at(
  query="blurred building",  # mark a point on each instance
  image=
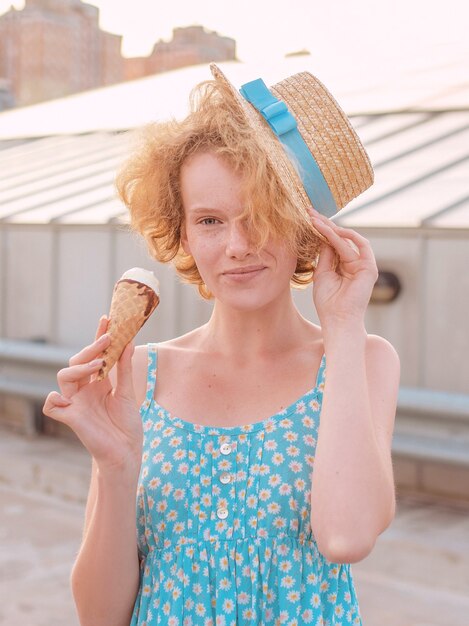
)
(53, 48)
(7, 101)
(189, 46)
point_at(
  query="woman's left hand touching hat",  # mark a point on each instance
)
(341, 294)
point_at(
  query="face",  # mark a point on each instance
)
(233, 270)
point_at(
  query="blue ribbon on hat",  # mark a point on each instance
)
(284, 125)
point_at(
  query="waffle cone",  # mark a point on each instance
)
(132, 304)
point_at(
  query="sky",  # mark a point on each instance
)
(374, 30)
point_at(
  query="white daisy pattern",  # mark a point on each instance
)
(223, 522)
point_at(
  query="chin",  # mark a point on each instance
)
(245, 301)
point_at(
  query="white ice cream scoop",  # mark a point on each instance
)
(142, 276)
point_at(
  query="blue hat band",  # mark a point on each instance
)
(284, 125)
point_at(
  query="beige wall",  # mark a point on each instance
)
(445, 345)
(400, 321)
(428, 323)
(26, 283)
(84, 283)
(91, 263)
(56, 285)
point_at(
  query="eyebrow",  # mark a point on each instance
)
(202, 209)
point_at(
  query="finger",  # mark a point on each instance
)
(91, 352)
(362, 243)
(70, 379)
(102, 326)
(124, 384)
(346, 251)
(317, 232)
(54, 405)
(326, 261)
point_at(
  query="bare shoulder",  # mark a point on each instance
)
(383, 377)
(382, 354)
(383, 365)
(140, 359)
(188, 341)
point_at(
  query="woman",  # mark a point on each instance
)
(259, 480)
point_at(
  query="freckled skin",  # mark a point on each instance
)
(220, 243)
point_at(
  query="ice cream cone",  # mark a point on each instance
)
(132, 304)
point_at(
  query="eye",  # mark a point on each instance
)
(209, 221)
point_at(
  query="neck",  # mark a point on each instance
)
(241, 334)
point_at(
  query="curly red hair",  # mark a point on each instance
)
(149, 183)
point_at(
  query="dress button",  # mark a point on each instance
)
(222, 513)
(225, 448)
(225, 477)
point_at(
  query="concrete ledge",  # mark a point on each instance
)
(28, 372)
(23, 389)
(423, 446)
(430, 446)
(433, 403)
(61, 467)
(34, 353)
(424, 477)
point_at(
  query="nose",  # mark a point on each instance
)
(238, 243)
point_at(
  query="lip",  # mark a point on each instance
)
(249, 269)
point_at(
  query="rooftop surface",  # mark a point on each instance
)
(58, 158)
(421, 164)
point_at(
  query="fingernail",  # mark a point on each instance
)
(96, 362)
(103, 338)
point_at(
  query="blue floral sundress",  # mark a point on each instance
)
(223, 522)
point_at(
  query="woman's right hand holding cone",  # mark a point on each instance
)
(105, 419)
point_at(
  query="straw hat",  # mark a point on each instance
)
(311, 144)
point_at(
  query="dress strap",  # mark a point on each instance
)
(321, 374)
(151, 372)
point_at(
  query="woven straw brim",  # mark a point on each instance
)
(326, 131)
